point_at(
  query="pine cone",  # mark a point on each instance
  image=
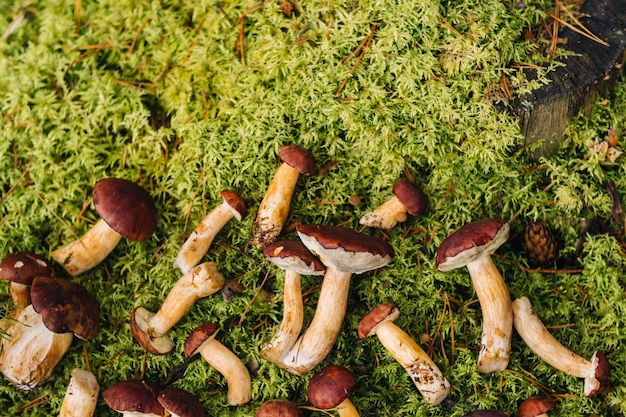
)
(539, 244)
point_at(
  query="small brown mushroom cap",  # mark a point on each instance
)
(277, 408)
(292, 255)
(535, 406)
(134, 396)
(380, 313)
(198, 336)
(126, 207)
(329, 387)
(299, 158)
(66, 306)
(235, 202)
(411, 196)
(180, 403)
(602, 374)
(486, 413)
(21, 267)
(470, 242)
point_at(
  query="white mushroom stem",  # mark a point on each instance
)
(274, 207)
(20, 294)
(318, 339)
(495, 303)
(197, 245)
(426, 376)
(293, 316)
(231, 367)
(81, 396)
(347, 409)
(89, 250)
(386, 216)
(32, 351)
(532, 330)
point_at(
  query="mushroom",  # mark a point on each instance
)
(344, 251)
(81, 395)
(277, 408)
(125, 209)
(486, 413)
(197, 245)
(408, 198)
(202, 340)
(535, 406)
(596, 372)
(20, 268)
(330, 388)
(274, 207)
(426, 376)
(44, 330)
(150, 329)
(472, 246)
(296, 260)
(180, 403)
(134, 398)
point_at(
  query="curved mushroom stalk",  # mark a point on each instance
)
(529, 326)
(407, 199)
(150, 329)
(81, 396)
(198, 243)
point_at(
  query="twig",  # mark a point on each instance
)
(361, 49)
(240, 42)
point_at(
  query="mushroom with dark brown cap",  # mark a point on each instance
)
(344, 251)
(277, 408)
(274, 207)
(150, 329)
(180, 403)
(595, 372)
(126, 210)
(296, 260)
(472, 246)
(20, 268)
(134, 398)
(329, 390)
(202, 340)
(408, 199)
(535, 406)
(424, 373)
(81, 395)
(197, 245)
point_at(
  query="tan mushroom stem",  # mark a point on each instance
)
(89, 250)
(426, 376)
(347, 409)
(197, 245)
(318, 339)
(532, 330)
(20, 294)
(495, 303)
(32, 351)
(274, 207)
(387, 215)
(293, 316)
(231, 367)
(81, 396)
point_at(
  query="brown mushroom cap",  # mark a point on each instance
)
(329, 387)
(21, 267)
(470, 242)
(411, 196)
(292, 255)
(346, 249)
(380, 313)
(66, 306)
(486, 413)
(198, 336)
(299, 158)
(535, 406)
(180, 402)
(126, 207)
(134, 396)
(602, 373)
(277, 408)
(235, 202)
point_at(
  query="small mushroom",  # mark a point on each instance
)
(81, 395)
(274, 207)
(472, 246)
(126, 210)
(344, 251)
(150, 329)
(595, 372)
(535, 406)
(486, 413)
(408, 199)
(202, 340)
(296, 260)
(197, 245)
(277, 408)
(20, 268)
(134, 398)
(329, 390)
(424, 373)
(180, 403)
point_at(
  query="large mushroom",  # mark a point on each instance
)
(274, 207)
(197, 245)
(202, 340)
(44, 330)
(344, 251)
(296, 260)
(180, 403)
(134, 398)
(329, 390)
(472, 246)
(19, 268)
(595, 372)
(81, 395)
(150, 329)
(126, 210)
(424, 373)
(408, 199)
